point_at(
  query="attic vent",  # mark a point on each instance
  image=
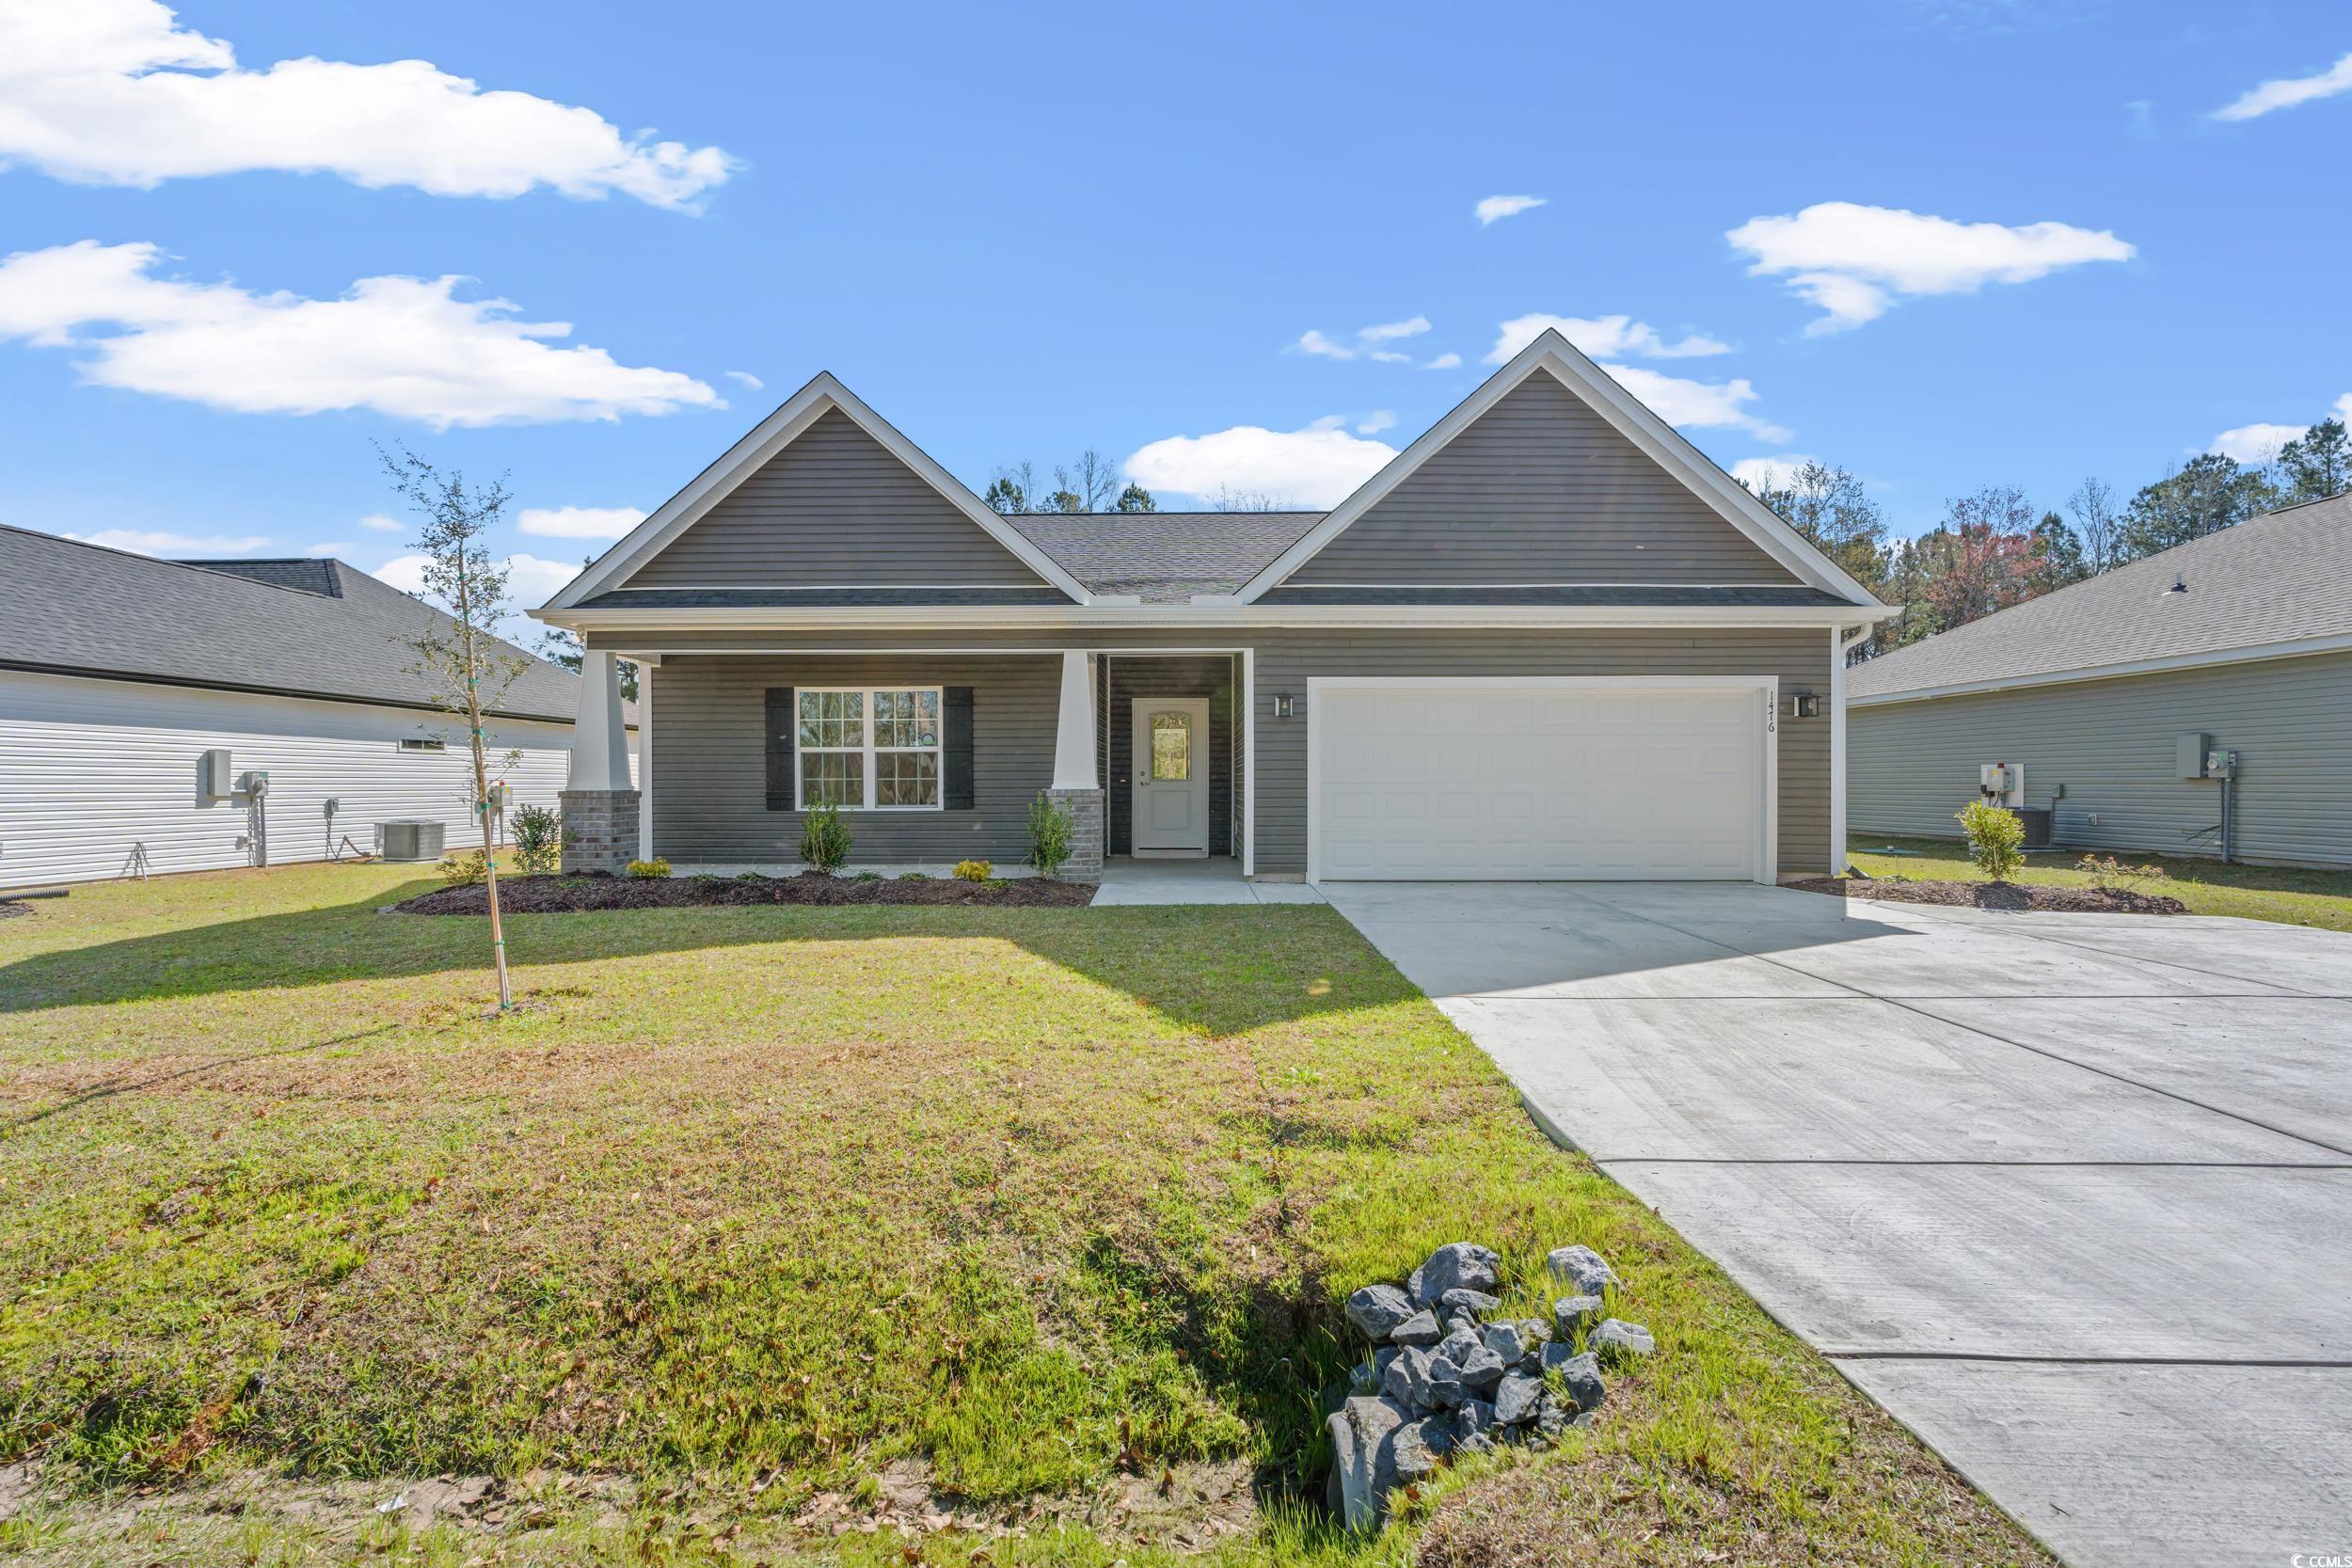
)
(2180, 584)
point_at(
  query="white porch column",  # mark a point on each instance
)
(1074, 740)
(599, 740)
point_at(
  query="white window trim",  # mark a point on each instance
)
(867, 747)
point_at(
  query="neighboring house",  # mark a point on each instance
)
(1549, 639)
(2108, 692)
(119, 672)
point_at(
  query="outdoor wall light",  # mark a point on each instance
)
(1804, 705)
(1281, 705)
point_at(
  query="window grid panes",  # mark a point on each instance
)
(871, 750)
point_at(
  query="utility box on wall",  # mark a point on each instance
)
(213, 774)
(2189, 755)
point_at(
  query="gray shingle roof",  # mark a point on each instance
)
(76, 608)
(765, 598)
(1658, 595)
(1164, 557)
(2281, 577)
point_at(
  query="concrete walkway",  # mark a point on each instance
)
(1215, 880)
(2070, 1194)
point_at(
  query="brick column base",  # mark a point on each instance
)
(599, 829)
(1084, 807)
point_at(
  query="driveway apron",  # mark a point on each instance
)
(2070, 1195)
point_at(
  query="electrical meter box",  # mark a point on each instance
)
(2003, 783)
(2189, 751)
(255, 780)
(2221, 764)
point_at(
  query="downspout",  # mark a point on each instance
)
(1841, 641)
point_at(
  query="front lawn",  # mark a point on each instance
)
(2292, 895)
(975, 1235)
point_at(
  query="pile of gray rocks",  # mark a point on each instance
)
(1447, 1375)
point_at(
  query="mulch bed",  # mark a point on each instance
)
(1996, 896)
(602, 891)
(11, 908)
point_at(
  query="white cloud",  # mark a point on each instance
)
(382, 524)
(160, 541)
(2285, 92)
(1767, 473)
(579, 522)
(747, 379)
(1495, 207)
(1851, 260)
(1372, 342)
(1602, 336)
(115, 92)
(329, 551)
(1317, 467)
(1376, 422)
(2256, 443)
(403, 346)
(1443, 362)
(1705, 404)
(531, 581)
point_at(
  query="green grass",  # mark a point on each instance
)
(758, 1210)
(2292, 895)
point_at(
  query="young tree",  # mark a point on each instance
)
(2206, 494)
(2317, 464)
(2097, 523)
(469, 666)
(1092, 484)
(1136, 499)
(558, 646)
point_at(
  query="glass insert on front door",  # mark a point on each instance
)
(1171, 746)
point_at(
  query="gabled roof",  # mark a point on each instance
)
(297, 628)
(764, 441)
(1164, 557)
(1553, 355)
(2274, 585)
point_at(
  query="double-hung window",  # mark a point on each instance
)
(869, 748)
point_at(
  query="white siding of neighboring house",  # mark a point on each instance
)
(90, 769)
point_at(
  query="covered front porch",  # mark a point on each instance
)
(933, 755)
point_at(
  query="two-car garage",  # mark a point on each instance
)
(1542, 778)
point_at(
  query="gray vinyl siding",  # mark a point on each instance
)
(709, 758)
(717, 750)
(1540, 489)
(1910, 765)
(833, 509)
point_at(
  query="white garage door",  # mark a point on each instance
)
(1538, 781)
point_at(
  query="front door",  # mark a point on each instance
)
(1171, 788)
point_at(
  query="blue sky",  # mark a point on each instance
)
(1944, 244)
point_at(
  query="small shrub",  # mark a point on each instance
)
(749, 877)
(538, 840)
(913, 876)
(463, 869)
(2109, 875)
(975, 871)
(645, 870)
(1996, 839)
(867, 876)
(824, 839)
(1050, 828)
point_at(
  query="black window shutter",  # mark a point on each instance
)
(783, 723)
(956, 748)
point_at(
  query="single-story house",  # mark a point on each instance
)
(1550, 639)
(2108, 700)
(142, 699)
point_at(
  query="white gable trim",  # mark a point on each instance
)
(1660, 441)
(773, 434)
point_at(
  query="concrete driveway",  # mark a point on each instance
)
(2070, 1194)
